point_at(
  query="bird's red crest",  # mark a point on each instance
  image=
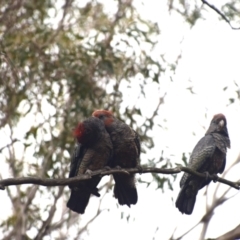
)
(98, 113)
(78, 131)
(219, 116)
(104, 115)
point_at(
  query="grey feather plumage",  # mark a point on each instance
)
(209, 155)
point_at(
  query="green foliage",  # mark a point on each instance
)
(57, 60)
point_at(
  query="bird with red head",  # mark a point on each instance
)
(93, 152)
(126, 154)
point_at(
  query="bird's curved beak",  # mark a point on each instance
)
(221, 123)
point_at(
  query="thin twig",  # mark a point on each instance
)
(47, 223)
(8, 145)
(220, 13)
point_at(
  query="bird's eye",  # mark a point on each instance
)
(100, 116)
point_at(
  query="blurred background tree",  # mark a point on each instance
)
(60, 60)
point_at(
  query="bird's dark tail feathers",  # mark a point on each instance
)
(125, 189)
(186, 199)
(80, 194)
(78, 201)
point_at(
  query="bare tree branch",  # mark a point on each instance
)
(10, 144)
(46, 224)
(63, 182)
(205, 219)
(220, 13)
(188, 231)
(233, 234)
(216, 201)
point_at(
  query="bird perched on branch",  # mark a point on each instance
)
(93, 152)
(208, 156)
(126, 153)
